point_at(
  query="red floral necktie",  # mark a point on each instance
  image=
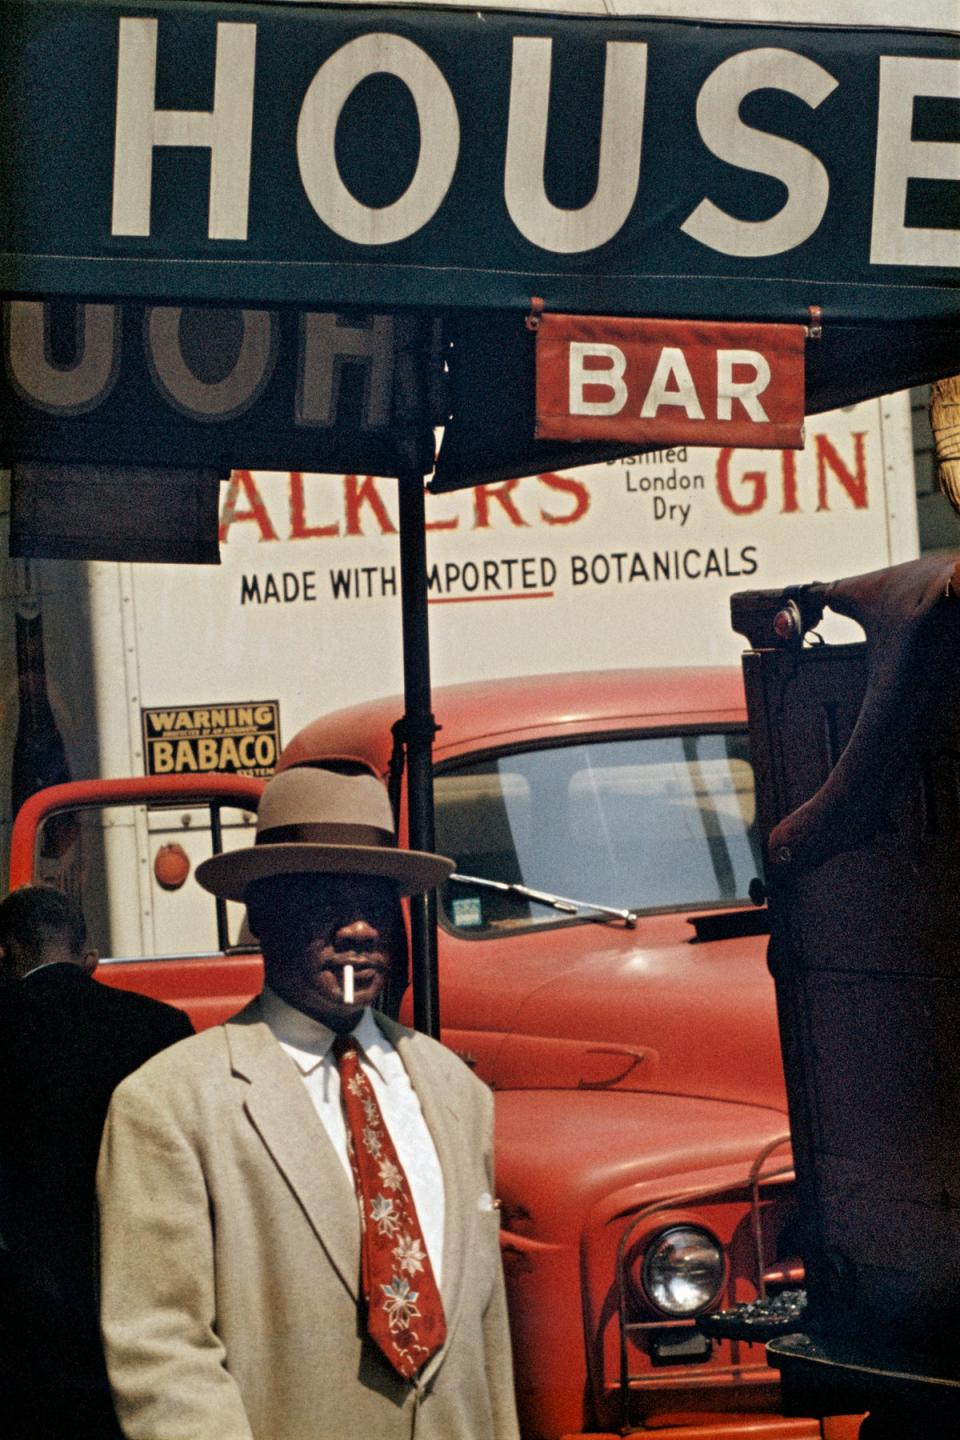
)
(404, 1310)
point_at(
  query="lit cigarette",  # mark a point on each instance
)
(348, 984)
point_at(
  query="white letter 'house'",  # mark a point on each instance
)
(566, 232)
(329, 91)
(728, 137)
(226, 130)
(900, 159)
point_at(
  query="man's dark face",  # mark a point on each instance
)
(312, 926)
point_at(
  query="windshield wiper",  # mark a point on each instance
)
(543, 897)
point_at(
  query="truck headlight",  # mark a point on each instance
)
(683, 1271)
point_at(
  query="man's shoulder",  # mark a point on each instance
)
(53, 987)
(143, 1008)
(46, 987)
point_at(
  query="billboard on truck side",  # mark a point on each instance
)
(177, 669)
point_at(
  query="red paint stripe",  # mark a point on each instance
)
(478, 599)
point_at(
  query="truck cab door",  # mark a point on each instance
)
(127, 851)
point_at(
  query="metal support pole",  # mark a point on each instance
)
(216, 843)
(418, 728)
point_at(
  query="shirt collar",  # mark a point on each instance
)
(49, 965)
(307, 1041)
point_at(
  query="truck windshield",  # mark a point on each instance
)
(651, 823)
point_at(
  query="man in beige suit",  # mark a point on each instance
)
(234, 1302)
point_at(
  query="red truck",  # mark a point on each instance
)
(602, 968)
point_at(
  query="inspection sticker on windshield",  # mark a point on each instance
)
(467, 912)
(670, 382)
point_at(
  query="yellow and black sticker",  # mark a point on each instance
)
(239, 739)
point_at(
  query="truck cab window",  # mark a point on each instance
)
(653, 823)
(88, 853)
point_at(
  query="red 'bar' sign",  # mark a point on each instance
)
(670, 382)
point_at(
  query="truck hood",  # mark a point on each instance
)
(638, 1148)
(644, 1010)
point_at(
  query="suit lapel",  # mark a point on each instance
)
(282, 1115)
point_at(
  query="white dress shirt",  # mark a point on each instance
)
(308, 1043)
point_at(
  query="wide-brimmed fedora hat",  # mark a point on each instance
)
(315, 821)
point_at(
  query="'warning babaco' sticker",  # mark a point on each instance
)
(203, 739)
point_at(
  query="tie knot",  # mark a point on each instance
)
(344, 1045)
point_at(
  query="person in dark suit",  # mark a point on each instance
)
(65, 1044)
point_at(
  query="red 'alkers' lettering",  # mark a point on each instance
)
(482, 496)
(451, 523)
(257, 512)
(576, 488)
(356, 494)
(360, 493)
(299, 529)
